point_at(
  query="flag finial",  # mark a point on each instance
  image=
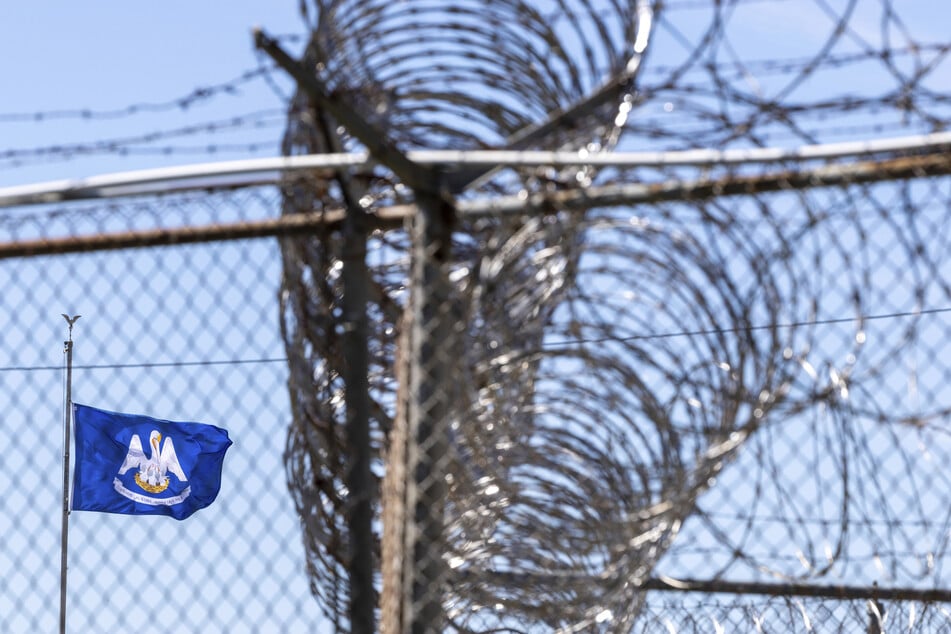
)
(70, 321)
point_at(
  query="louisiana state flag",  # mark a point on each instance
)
(139, 465)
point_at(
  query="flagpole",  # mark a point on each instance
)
(67, 414)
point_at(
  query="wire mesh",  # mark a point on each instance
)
(751, 391)
(787, 614)
(410, 71)
(184, 333)
(617, 364)
(746, 389)
(743, 382)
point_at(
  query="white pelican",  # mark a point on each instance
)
(152, 470)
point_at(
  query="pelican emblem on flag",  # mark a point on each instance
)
(153, 470)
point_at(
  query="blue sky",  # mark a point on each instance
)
(106, 56)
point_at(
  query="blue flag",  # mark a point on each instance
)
(138, 465)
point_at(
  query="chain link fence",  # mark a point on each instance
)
(183, 333)
(612, 403)
(713, 396)
(695, 392)
(785, 614)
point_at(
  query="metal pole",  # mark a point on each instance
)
(432, 351)
(67, 414)
(359, 478)
(428, 405)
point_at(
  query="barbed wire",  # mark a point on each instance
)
(265, 147)
(788, 65)
(654, 128)
(263, 119)
(197, 96)
(266, 72)
(577, 448)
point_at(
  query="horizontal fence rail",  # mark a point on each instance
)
(242, 173)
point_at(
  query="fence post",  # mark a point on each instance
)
(358, 477)
(428, 408)
(428, 401)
